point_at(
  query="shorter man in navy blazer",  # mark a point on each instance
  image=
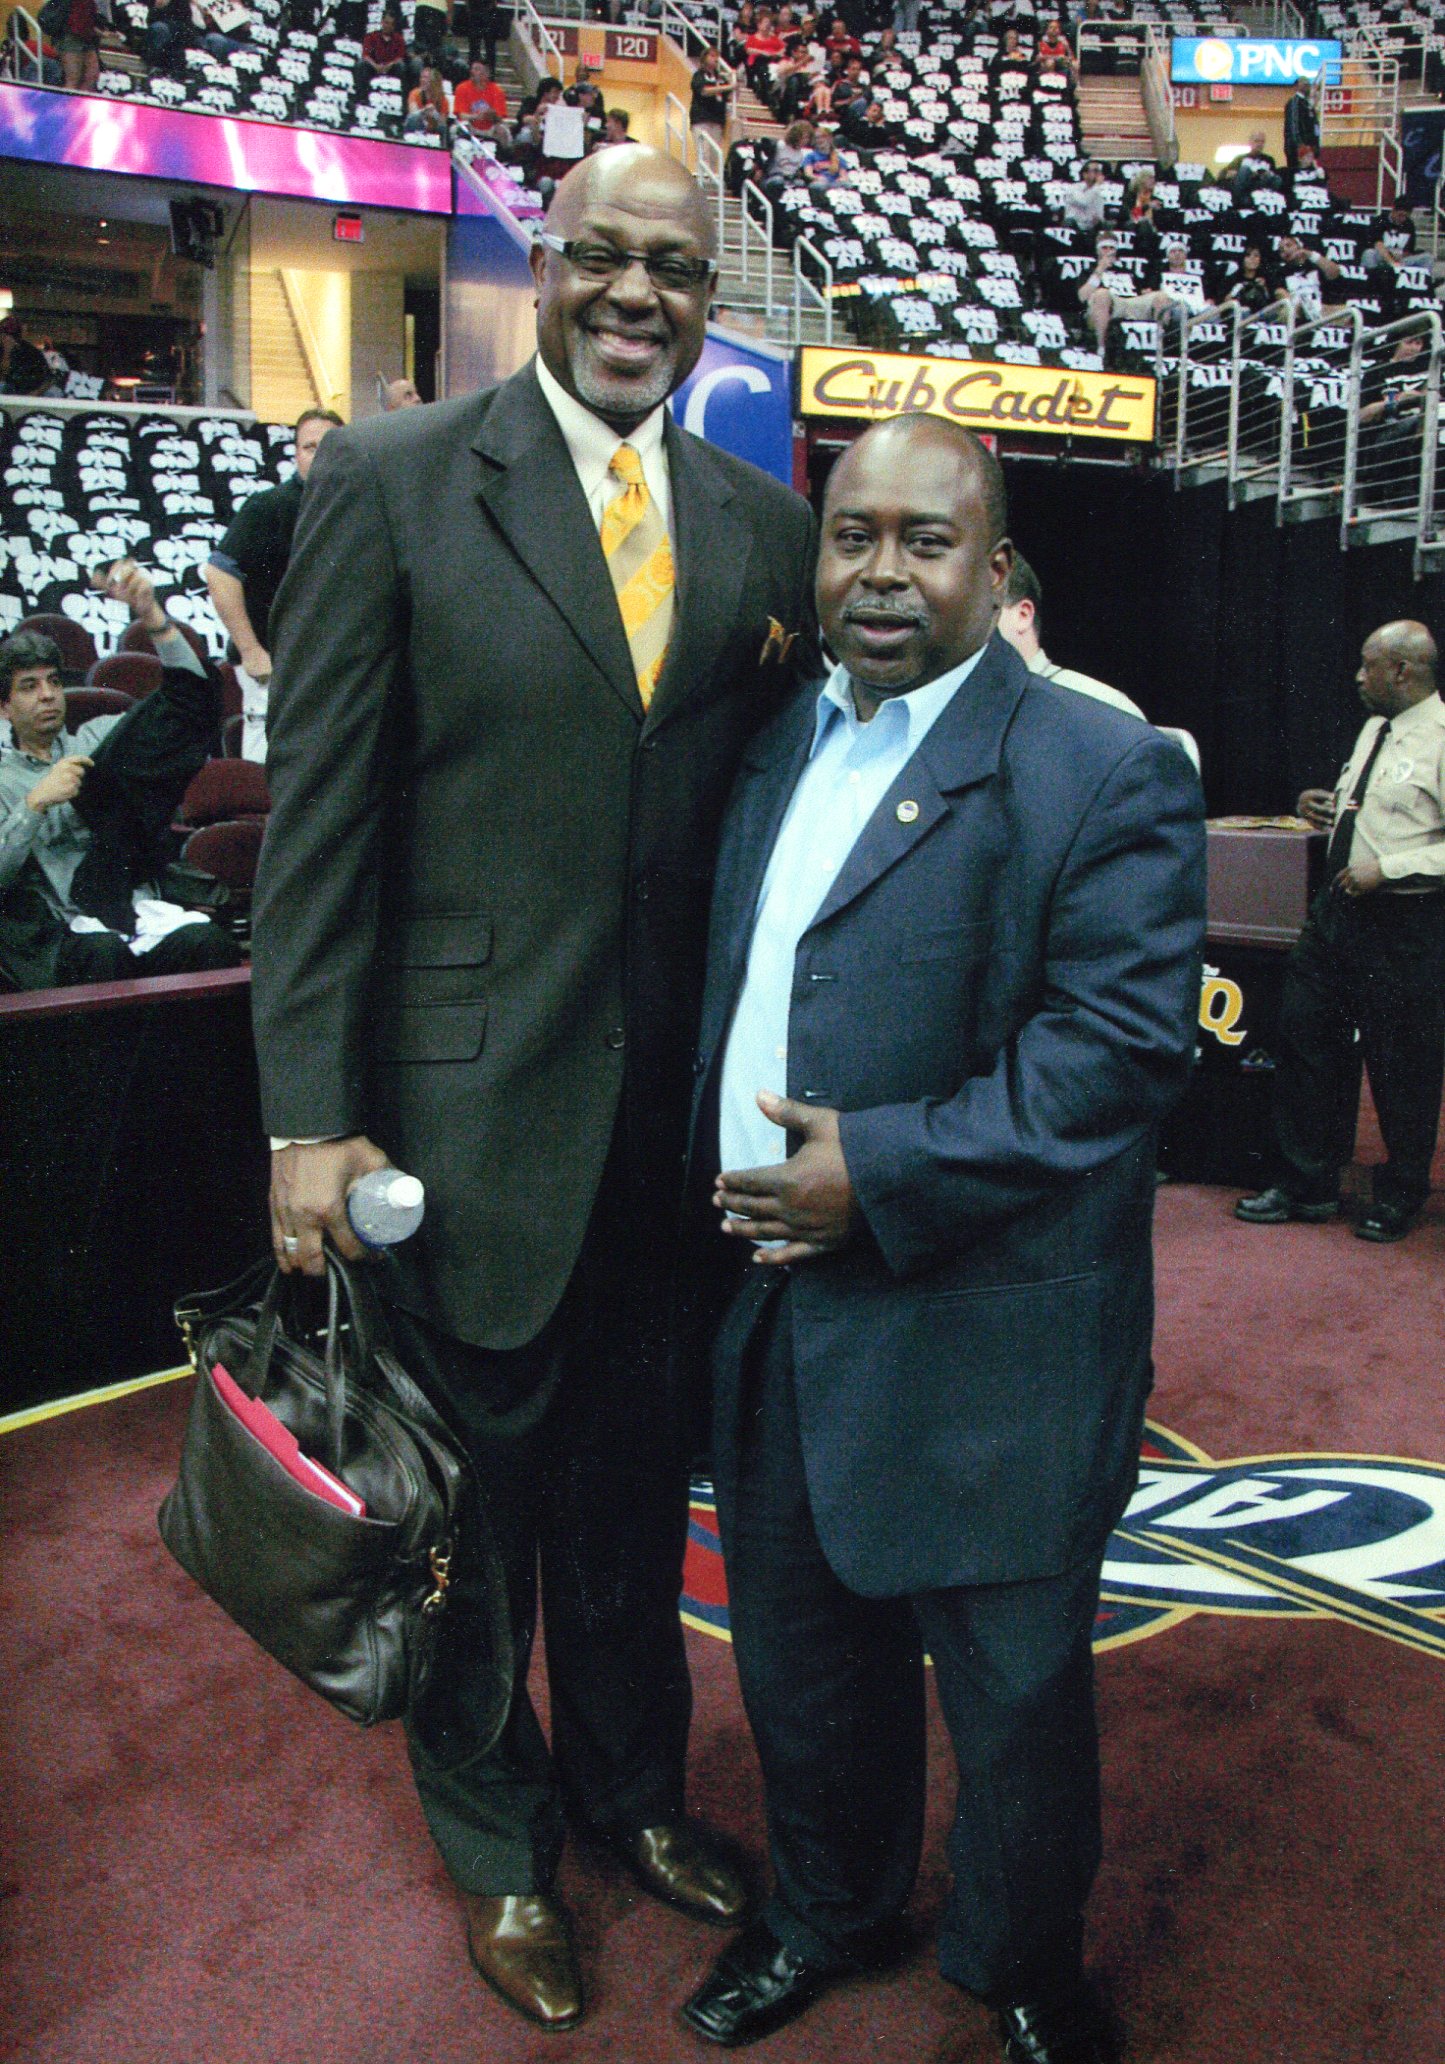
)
(958, 920)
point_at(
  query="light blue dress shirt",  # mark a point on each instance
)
(851, 766)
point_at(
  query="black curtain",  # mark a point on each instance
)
(1245, 632)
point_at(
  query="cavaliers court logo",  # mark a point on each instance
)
(1358, 1538)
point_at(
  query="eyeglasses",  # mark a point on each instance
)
(668, 270)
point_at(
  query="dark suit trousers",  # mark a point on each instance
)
(1375, 964)
(834, 1689)
(583, 1468)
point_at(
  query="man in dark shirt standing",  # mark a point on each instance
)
(245, 571)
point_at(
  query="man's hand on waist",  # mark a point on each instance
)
(309, 1183)
(806, 1202)
(1361, 878)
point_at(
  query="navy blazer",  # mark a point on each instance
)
(1000, 993)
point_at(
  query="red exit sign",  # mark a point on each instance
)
(348, 229)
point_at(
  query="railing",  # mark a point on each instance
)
(758, 221)
(691, 39)
(1408, 48)
(674, 128)
(328, 393)
(1261, 344)
(1437, 217)
(1206, 387)
(1391, 462)
(709, 168)
(1390, 170)
(821, 293)
(1100, 42)
(1274, 19)
(1363, 106)
(1158, 96)
(25, 46)
(1314, 411)
(542, 45)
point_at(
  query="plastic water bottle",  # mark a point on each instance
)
(385, 1207)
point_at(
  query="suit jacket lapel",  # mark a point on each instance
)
(712, 552)
(962, 748)
(531, 491)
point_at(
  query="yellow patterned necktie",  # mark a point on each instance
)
(639, 558)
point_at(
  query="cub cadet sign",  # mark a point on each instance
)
(1251, 61)
(1041, 401)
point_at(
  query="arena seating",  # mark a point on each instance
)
(80, 488)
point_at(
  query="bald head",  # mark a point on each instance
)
(898, 436)
(1397, 667)
(399, 394)
(622, 312)
(913, 557)
(639, 181)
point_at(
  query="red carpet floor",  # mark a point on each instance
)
(203, 1866)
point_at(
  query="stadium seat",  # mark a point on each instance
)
(225, 789)
(137, 674)
(77, 647)
(227, 851)
(82, 704)
(138, 639)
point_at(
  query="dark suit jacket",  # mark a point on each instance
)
(1000, 993)
(486, 875)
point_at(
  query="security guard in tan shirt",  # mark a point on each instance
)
(1371, 958)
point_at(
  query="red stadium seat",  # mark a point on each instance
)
(136, 674)
(138, 639)
(81, 704)
(223, 790)
(227, 851)
(77, 647)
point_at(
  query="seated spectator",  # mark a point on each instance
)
(1108, 295)
(822, 166)
(1250, 287)
(711, 93)
(1254, 170)
(1308, 175)
(1086, 204)
(1053, 55)
(84, 816)
(399, 394)
(429, 105)
(866, 128)
(1307, 277)
(789, 158)
(761, 52)
(840, 44)
(1181, 286)
(1021, 623)
(1011, 58)
(383, 53)
(177, 26)
(23, 366)
(1392, 404)
(818, 107)
(479, 89)
(792, 79)
(1394, 238)
(744, 23)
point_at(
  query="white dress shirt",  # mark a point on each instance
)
(851, 767)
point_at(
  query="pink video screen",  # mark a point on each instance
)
(103, 135)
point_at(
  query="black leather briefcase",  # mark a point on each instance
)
(354, 1606)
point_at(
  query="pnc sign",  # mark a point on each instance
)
(1252, 61)
(1039, 401)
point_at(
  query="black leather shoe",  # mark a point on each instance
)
(1277, 1206)
(682, 1864)
(1068, 2028)
(1385, 1222)
(756, 1986)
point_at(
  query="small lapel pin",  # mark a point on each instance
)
(907, 812)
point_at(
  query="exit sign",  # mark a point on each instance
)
(348, 229)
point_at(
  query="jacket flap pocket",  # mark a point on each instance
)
(432, 1032)
(450, 938)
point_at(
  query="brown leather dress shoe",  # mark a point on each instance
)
(679, 1863)
(521, 1944)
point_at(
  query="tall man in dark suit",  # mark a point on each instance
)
(523, 640)
(958, 920)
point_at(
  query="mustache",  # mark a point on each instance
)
(882, 612)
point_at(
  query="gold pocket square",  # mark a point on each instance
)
(777, 644)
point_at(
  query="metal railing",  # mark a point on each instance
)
(1274, 19)
(542, 45)
(1158, 96)
(1205, 387)
(1390, 169)
(1437, 216)
(1362, 107)
(758, 220)
(25, 47)
(1410, 49)
(708, 153)
(822, 292)
(674, 128)
(691, 39)
(1392, 460)
(1314, 411)
(1261, 343)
